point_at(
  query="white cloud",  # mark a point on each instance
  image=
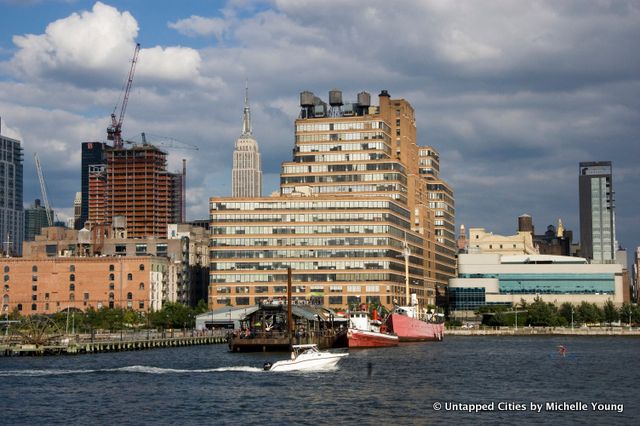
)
(96, 40)
(199, 26)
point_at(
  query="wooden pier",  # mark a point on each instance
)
(111, 345)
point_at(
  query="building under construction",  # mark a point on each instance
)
(135, 184)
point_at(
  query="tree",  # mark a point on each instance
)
(201, 307)
(567, 311)
(610, 313)
(589, 313)
(541, 313)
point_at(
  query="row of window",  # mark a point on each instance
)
(328, 168)
(344, 125)
(315, 300)
(34, 306)
(217, 278)
(375, 177)
(305, 253)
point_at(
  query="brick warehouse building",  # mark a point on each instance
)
(47, 286)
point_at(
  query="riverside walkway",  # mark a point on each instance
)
(543, 331)
(114, 342)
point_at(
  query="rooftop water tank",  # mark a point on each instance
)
(364, 99)
(306, 98)
(335, 97)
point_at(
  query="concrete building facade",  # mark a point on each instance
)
(349, 199)
(442, 202)
(482, 241)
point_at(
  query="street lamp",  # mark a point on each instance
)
(571, 317)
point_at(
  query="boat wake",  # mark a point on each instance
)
(140, 369)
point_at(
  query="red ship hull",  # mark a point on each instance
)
(370, 339)
(414, 330)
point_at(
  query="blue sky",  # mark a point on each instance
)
(513, 94)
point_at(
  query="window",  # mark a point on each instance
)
(111, 277)
(85, 296)
(129, 276)
(34, 278)
(72, 297)
(6, 278)
(72, 277)
(161, 249)
(72, 268)
(6, 269)
(34, 268)
(141, 305)
(6, 288)
(51, 250)
(141, 286)
(112, 268)
(34, 307)
(121, 249)
(19, 306)
(34, 288)
(141, 267)
(34, 297)
(141, 249)
(129, 296)
(72, 287)
(111, 286)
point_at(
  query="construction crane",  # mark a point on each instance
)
(160, 141)
(43, 189)
(114, 131)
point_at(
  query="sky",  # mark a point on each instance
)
(512, 94)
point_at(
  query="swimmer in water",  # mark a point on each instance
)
(562, 350)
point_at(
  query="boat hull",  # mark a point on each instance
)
(310, 363)
(370, 339)
(414, 330)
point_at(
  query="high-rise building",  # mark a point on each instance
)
(139, 188)
(442, 202)
(246, 179)
(350, 200)
(77, 210)
(597, 212)
(11, 207)
(35, 218)
(94, 154)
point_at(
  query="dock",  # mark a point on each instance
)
(111, 344)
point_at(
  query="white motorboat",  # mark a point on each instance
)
(306, 357)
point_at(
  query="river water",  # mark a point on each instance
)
(402, 385)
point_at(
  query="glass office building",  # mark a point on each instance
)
(486, 279)
(597, 212)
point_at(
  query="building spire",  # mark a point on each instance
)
(246, 118)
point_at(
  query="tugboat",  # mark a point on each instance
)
(366, 333)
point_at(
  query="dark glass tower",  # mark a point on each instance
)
(11, 207)
(93, 153)
(597, 212)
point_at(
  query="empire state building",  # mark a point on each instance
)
(247, 171)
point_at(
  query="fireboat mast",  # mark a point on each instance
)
(405, 253)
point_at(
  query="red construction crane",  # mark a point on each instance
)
(114, 131)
